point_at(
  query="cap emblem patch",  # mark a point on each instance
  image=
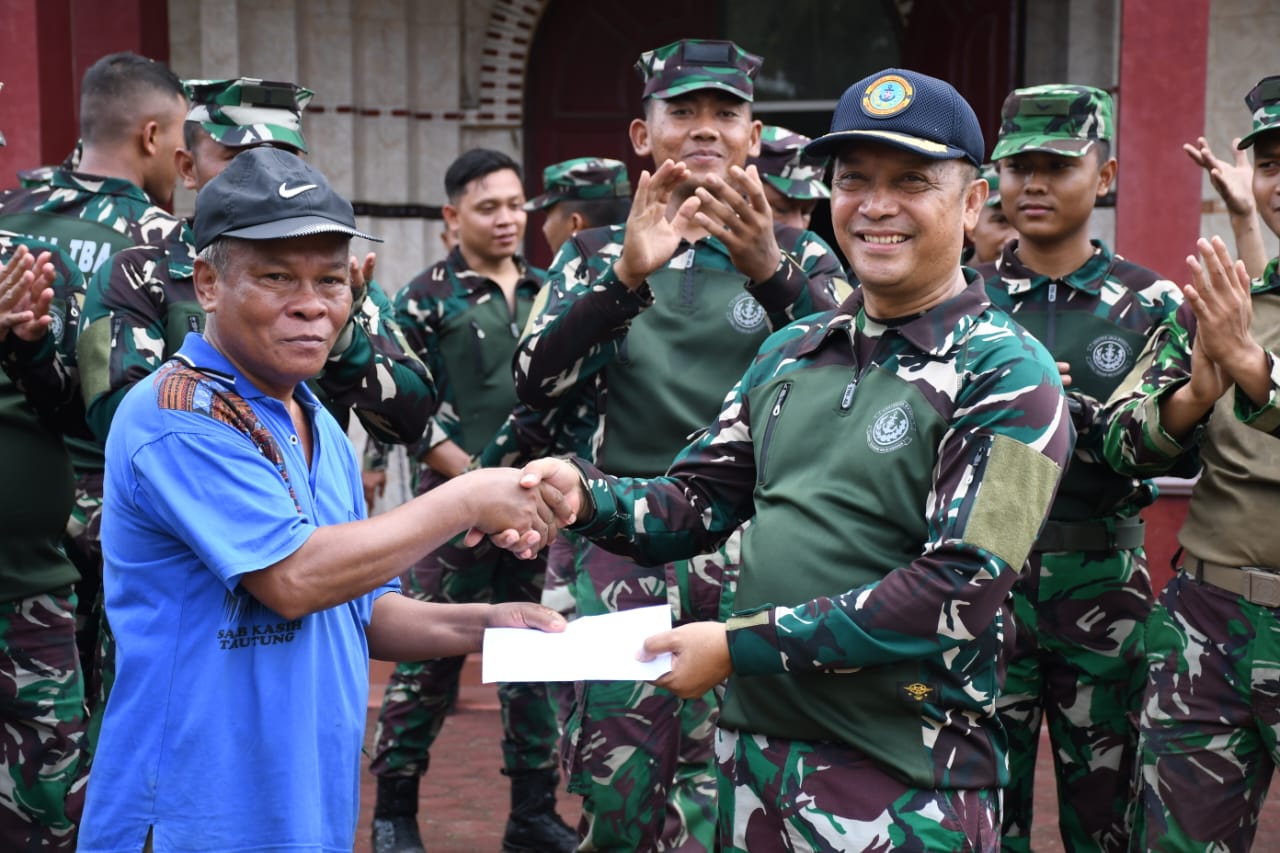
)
(887, 96)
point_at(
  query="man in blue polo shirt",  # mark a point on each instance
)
(236, 547)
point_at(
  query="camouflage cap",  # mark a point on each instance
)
(582, 179)
(783, 163)
(991, 175)
(1060, 118)
(248, 111)
(1263, 101)
(692, 64)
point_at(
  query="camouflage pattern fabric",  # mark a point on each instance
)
(458, 323)
(420, 693)
(1263, 101)
(783, 163)
(141, 305)
(642, 760)
(1059, 118)
(1209, 735)
(581, 179)
(778, 794)
(1080, 614)
(248, 111)
(44, 764)
(1210, 722)
(1079, 664)
(580, 324)
(913, 633)
(689, 65)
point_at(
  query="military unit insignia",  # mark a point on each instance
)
(891, 429)
(745, 313)
(887, 95)
(1109, 355)
(918, 692)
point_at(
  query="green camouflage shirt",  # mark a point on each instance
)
(661, 372)
(1097, 318)
(141, 305)
(90, 218)
(39, 403)
(458, 322)
(1229, 520)
(897, 476)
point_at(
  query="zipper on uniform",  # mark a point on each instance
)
(1049, 327)
(769, 428)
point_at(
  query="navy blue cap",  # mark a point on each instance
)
(908, 110)
(269, 194)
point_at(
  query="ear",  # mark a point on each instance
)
(185, 162)
(1107, 176)
(150, 137)
(639, 132)
(577, 222)
(975, 196)
(756, 127)
(206, 284)
(450, 214)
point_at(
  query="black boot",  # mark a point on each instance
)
(534, 826)
(395, 816)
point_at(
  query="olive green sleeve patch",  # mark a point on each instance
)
(93, 352)
(1012, 500)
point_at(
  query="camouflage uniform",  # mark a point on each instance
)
(459, 324)
(42, 713)
(639, 755)
(1210, 719)
(783, 164)
(91, 218)
(1082, 603)
(862, 704)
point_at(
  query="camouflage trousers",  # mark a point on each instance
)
(84, 547)
(1078, 663)
(640, 756)
(789, 795)
(1210, 719)
(42, 724)
(420, 694)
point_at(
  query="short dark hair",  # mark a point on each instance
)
(114, 91)
(474, 164)
(1103, 149)
(598, 212)
(191, 134)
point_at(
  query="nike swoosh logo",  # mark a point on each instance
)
(289, 192)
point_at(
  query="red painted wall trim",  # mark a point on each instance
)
(1164, 48)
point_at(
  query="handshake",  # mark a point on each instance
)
(522, 510)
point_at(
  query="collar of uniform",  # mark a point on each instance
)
(934, 332)
(98, 185)
(1089, 278)
(458, 264)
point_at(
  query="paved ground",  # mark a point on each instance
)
(464, 800)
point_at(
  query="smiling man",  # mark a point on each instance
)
(654, 319)
(1093, 310)
(236, 547)
(896, 456)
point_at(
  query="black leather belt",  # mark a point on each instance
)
(1112, 534)
(1255, 584)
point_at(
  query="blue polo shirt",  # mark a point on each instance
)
(229, 727)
